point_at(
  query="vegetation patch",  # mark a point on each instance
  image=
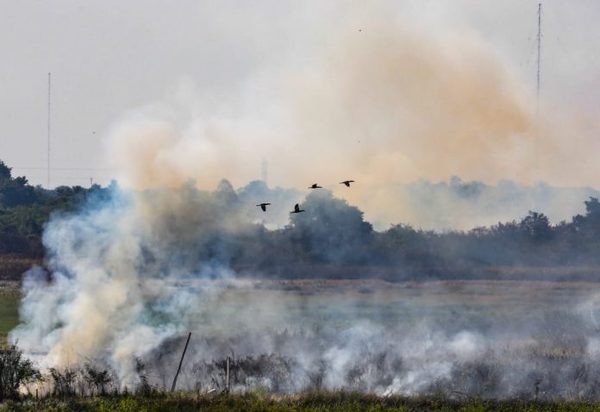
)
(9, 313)
(313, 402)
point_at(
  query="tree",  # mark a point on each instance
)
(15, 192)
(331, 230)
(5, 171)
(15, 372)
(97, 379)
(536, 226)
(590, 223)
(403, 244)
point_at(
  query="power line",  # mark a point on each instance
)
(73, 174)
(93, 169)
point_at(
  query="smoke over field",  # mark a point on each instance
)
(134, 271)
(156, 255)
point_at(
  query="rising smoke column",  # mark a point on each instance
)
(113, 294)
(384, 106)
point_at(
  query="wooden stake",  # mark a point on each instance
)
(227, 379)
(180, 362)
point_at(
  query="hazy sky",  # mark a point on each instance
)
(110, 57)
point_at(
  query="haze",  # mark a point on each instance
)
(385, 93)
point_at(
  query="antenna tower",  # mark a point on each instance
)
(539, 53)
(48, 135)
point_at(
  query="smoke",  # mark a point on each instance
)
(382, 101)
(403, 105)
(132, 272)
(394, 105)
(113, 293)
(384, 105)
(458, 204)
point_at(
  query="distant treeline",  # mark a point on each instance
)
(24, 209)
(332, 239)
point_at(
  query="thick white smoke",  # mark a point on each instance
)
(136, 269)
(113, 294)
(133, 272)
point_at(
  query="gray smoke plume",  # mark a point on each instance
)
(132, 273)
(115, 268)
(457, 204)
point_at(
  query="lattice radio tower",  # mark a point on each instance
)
(48, 131)
(539, 54)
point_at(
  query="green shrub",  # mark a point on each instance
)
(15, 371)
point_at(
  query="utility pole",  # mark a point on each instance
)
(227, 376)
(539, 53)
(180, 362)
(48, 134)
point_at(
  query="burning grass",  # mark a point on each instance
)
(301, 349)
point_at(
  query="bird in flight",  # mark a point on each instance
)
(297, 209)
(347, 182)
(315, 186)
(263, 206)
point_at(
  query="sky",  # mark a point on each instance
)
(231, 60)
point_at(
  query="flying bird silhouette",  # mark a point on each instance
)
(263, 206)
(347, 182)
(315, 186)
(297, 209)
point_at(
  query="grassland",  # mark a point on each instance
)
(13, 267)
(313, 402)
(9, 312)
(11, 272)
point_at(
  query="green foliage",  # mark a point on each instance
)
(15, 371)
(97, 379)
(25, 209)
(5, 171)
(330, 239)
(144, 388)
(9, 312)
(64, 382)
(536, 226)
(308, 402)
(331, 230)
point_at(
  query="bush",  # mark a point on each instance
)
(15, 372)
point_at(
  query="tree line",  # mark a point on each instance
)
(331, 239)
(24, 209)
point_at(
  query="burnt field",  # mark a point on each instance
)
(457, 303)
(439, 345)
(459, 340)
